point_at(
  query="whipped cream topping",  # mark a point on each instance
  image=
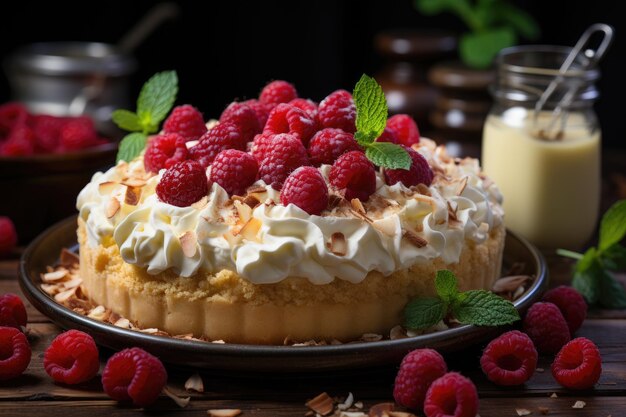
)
(266, 242)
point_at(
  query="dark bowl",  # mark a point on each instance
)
(39, 190)
(255, 358)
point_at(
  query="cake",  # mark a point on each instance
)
(247, 268)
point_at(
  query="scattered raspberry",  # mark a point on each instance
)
(183, 184)
(11, 114)
(20, 142)
(578, 364)
(571, 303)
(353, 174)
(405, 129)
(260, 109)
(285, 118)
(14, 353)
(12, 310)
(187, 121)
(76, 134)
(222, 136)
(388, 136)
(510, 359)
(278, 92)
(305, 188)
(8, 236)
(163, 151)
(338, 110)
(282, 157)
(419, 173)
(261, 145)
(451, 395)
(134, 374)
(72, 358)
(309, 106)
(244, 117)
(234, 170)
(418, 370)
(47, 130)
(547, 328)
(328, 144)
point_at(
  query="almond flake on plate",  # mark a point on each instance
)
(194, 383)
(523, 411)
(381, 409)
(347, 403)
(352, 414)
(180, 401)
(54, 276)
(65, 295)
(225, 412)
(322, 404)
(579, 404)
(510, 283)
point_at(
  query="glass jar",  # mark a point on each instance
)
(546, 163)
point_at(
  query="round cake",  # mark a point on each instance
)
(247, 269)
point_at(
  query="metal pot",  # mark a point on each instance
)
(71, 78)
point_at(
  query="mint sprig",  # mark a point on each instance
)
(479, 307)
(155, 101)
(593, 276)
(371, 119)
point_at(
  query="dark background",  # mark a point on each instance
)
(231, 49)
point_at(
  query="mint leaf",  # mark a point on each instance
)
(479, 49)
(156, 99)
(131, 146)
(446, 285)
(612, 294)
(127, 120)
(614, 258)
(422, 313)
(371, 108)
(388, 155)
(613, 225)
(484, 308)
(587, 284)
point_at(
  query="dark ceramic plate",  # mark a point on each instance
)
(254, 358)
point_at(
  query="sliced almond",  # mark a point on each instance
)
(113, 206)
(50, 289)
(400, 414)
(189, 243)
(357, 205)
(98, 313)
(251, 201)
(182, 402)
(579, 404)
(415, 239)
(244, 211)
(106, 187)
(224, 412)
(134, 182)
(65, 295)
(347, 402)
(510, 283)
(462, 185)
(132, 196)
(381, 409)
(352, 414)
(338, 244)
(553, 395)
(360, 215)
(68, 258)
(72, 283)
(194, 383)
(358, 404)
(55, 276)
(322, 404)
(423, 189)
(123, 323)
(256, 189)
(371, 337)
(250, 230)
(523, 411)
(397, 332)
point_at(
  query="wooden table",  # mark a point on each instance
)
(34, 393)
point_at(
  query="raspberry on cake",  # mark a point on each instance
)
(213, 247)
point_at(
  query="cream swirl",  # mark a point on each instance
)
(401, 226)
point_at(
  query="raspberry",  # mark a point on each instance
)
(222, 136)
(47, 130)
(72, 358)
(12, 311)
(282, 157)
(14, 353)
(547, 328)
(510, 359)
(183, 184)
(305, 188)
(234, 170)
(261, 110)
(278, 92)
(309, 106)
(451, 395)
(354, 174)
(388, 136)
(338, 110)
(418, 370)
(328, 144)
(8, 236)
(20, 142)
(11, 114)
(578, 364)
(163, 151)
(405, 129)
(244, 117)
(289, 119)
(76, 134)
(134, 374)
(187, 121)
(419, 173)
(261, 145)
(571, 303)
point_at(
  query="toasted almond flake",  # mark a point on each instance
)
(371, 337)
(134, 182)
(358, 404)
(361, 216)
(357, 205)
(579, 404)
(180, 401)
(338, 244)
(188, 242)
(518, 292)
(244, 211)
(415, 239)
(225, 412)
(322, 404)
(54, 276)
(99, 313)
(50, 289)
(250, 230)
(255, 189)
(65, 295)
(106, 187)
(540, 370)
(251, 201)
(462, 185)
(523, 411)
(123, 323)
(397, 332)
(194, 383)
(151, 330)
(74, 282)
(347, 402)
(400, 414)
(132, 196)
(112, 208)
(218, 342)
(423, 189)
(510, 283)
(554, 395)
(544, 410)
(352, 414)
(381, 409)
